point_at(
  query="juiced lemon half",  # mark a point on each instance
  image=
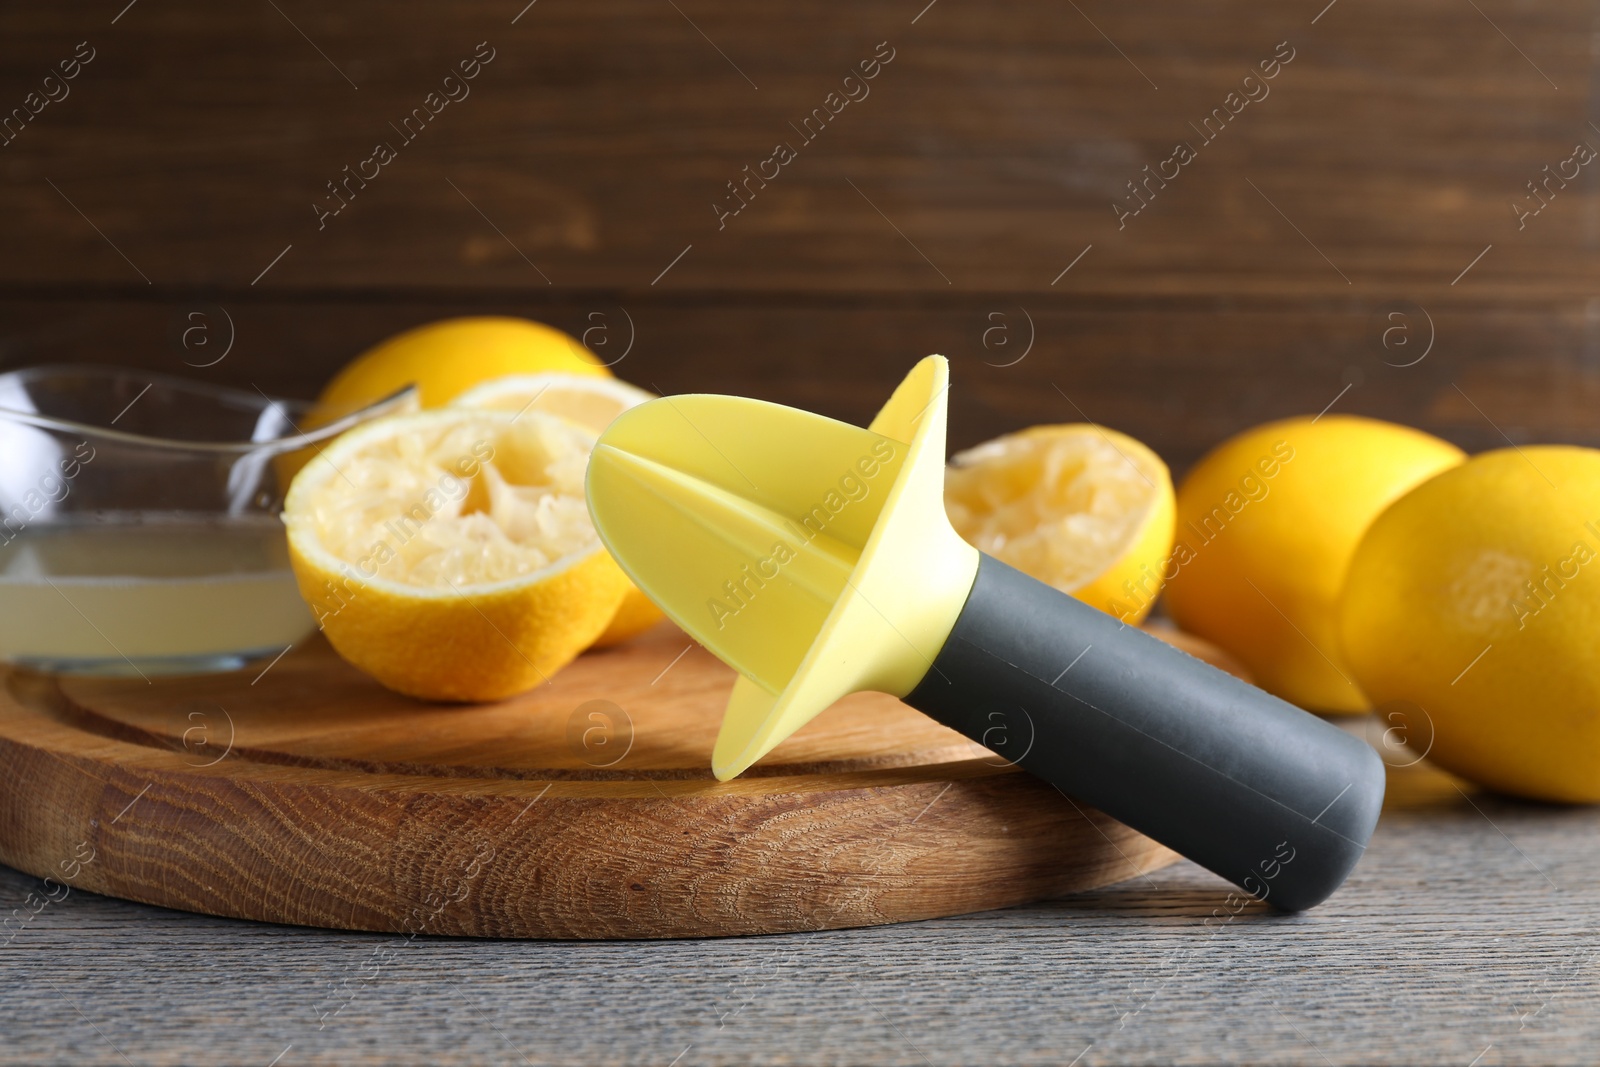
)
(591, 403)
(450, 555)
(1080, 507)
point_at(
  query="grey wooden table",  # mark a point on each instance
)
(1470, 934)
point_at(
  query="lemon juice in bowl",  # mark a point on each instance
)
(139, 529)
(158, 589)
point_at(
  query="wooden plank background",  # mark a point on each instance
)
(937, 213)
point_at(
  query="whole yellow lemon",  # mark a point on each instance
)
(448, 357)
(1267, 523)
(1473, 607)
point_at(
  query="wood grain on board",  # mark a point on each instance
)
(307, 794)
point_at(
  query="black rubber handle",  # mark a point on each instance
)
(1269, 797)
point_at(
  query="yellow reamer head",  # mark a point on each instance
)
(812, 556)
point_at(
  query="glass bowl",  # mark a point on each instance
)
(139, 529)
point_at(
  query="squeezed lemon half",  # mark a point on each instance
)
(591, 403)
(450, 555)
(1080, 507)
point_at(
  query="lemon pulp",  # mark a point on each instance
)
(1080, 507)
(591, 403)
(450, 553)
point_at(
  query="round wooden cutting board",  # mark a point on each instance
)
(305, 793)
